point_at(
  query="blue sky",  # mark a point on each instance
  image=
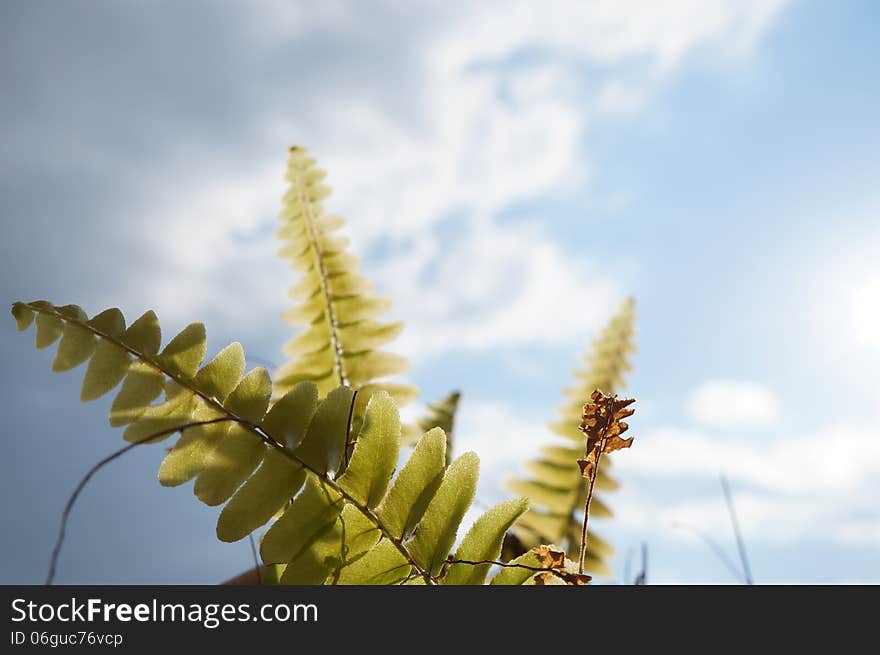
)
(510, 175)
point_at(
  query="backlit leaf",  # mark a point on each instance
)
(375, 455)
(415, 485)
(437, 530)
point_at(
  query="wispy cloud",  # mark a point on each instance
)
(480, 119)
(732, 404)
(790, 489)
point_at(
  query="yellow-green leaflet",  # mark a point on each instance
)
(189, 457)
(107, 367)
(233, 459)
(219, 377)
(346, 541)
(384, 564)
(275, 483)
(375, 454)
(415, 485)
(185, 352)
(174, 412)
(483, 543)
(312, 512)
(144, 335)
(142, 385)
(239, 451)
(325, 439)
(77, 343)
(512, 575)
(250, 398)
(289, 418)
(24, 316)
(49, 329)
(437, 529)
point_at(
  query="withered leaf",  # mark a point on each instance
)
(603, 423)
(562, 577)
(616, 443)
(549, 557)
(561, 571)
(575, 579)
(586, 468)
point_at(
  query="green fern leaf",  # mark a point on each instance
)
(106, 368)
(436, 532)
(383, 565)
(49, 330)
(483, 543)
(340, 340)
(24, 316)
(325, 440)
(440, 414)
(218, 377)
(416, 485)
(189, 457)
(143, 336)
(290, 417)
(77, 345)
(185, 352)
(266, 491)
(375, 455)
(313, 512)
(141, 386)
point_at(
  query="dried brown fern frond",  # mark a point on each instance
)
(553, 483)
(602, 423)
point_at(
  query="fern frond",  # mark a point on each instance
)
(440, 414)
(339, 519)
(555, 487)
(340, 340)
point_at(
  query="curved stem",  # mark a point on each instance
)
(594, 472)
(65, 515)
(252, 427)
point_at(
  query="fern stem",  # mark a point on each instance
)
(255, 429)
(256, 557)
(510, 565)
(583, 554)
(594, 473)
(332, 321)
(65, 515)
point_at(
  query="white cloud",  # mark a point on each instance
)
(820, 487)
(493, 287)
(502, 437)
(471, 133)
(842, 459)
(215, 248)
(732, 403)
